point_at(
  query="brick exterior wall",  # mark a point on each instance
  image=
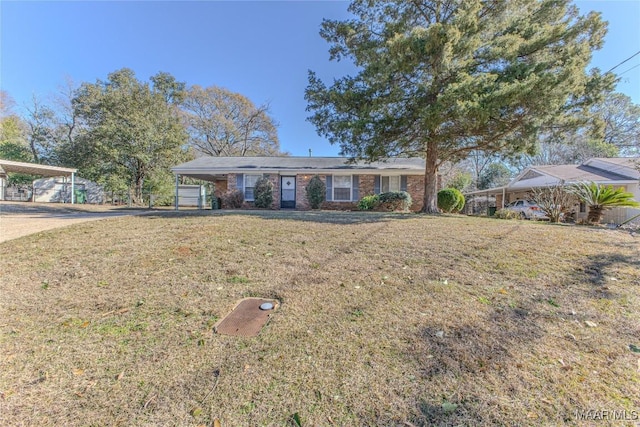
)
(232, 179)
(415, 187)
(301, 191)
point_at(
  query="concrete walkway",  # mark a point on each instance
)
(18, 219)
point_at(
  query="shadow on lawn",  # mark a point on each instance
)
(12, 208)
(600, 270)
(325, 217)
(473, 353)
(601, 273)
(486, 350)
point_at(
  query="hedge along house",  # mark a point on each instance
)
(346, 182)
(616, 171)
(9, 166)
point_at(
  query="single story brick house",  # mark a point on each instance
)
(346, 182)
(616, 171)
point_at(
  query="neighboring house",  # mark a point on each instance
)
(58, 190)
(346, 182)
(616, 171)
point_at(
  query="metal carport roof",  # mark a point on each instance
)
(8, 166)
(35, 169)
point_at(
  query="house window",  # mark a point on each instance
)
(342, 188)
(249, 184)
(390, 183)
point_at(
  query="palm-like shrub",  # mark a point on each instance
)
(600, 198)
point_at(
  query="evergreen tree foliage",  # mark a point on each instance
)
(441, 78)
(263, 193)
(316, 192)
(131, 132)
(450, 200)
(494, 175)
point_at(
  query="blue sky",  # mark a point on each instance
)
(260, 49)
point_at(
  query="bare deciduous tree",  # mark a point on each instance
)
(225, 123)
(554, 201)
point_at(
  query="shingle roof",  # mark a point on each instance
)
(619, 170)
(574, 173)
(218, 165)
(627, 166)
(629, 162)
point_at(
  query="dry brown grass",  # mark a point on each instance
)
(385, 320)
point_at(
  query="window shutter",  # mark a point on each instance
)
(376, 184)
(403, 182)
(240, 182)
(329, 185)
(355, 190)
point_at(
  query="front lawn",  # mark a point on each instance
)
(385, 320)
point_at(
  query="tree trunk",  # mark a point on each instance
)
(430, 204)
(595, 214)
(137, 191)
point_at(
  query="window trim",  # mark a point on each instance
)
(333, 188)
(403, 181)
(398, 177)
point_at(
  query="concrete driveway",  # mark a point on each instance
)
(19, 219)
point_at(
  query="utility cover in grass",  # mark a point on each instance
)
(247, 318)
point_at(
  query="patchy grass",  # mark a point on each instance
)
(384, 320)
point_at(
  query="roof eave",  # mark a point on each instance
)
(281, 171)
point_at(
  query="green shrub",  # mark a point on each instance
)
(263, 193)
(316, 192)
(233, 199)
(394, 201)
(368, 203)
(450, 200)
(461, 181)
(461, 201)
(506, 214)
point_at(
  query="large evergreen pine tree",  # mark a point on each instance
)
(441, 78)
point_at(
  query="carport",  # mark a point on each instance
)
(8, 166)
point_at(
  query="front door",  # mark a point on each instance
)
(287, 192)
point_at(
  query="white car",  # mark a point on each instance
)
(527, 209)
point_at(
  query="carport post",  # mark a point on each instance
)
(73, 188)
(176, 203)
